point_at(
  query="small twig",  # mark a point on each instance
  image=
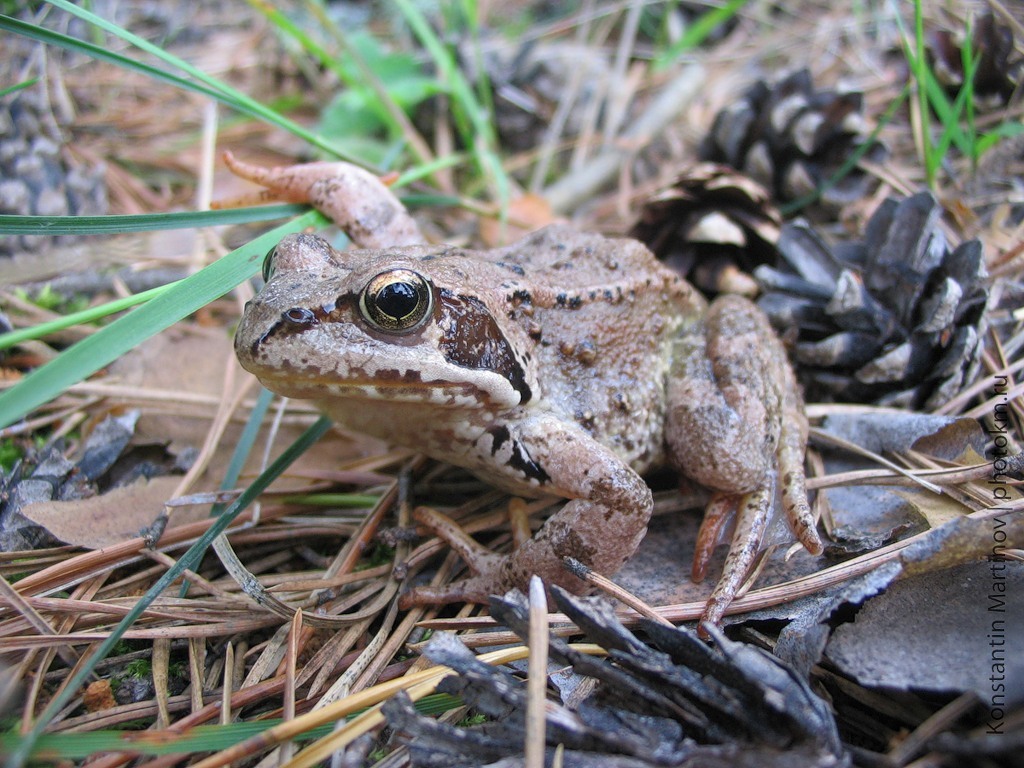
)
(941, 721)
(159, 662)
(31, 426)
(826, 437)
(291, 657)
(606, 585)
(333, 653)
(951, 476)
(982, 384)
(343, 685)
(37, 622)
(985, 408)
(565, 194)
(227, 685)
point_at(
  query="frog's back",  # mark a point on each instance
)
(602, 315)
(562, 257)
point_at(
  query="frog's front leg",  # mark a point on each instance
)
(601, 526)
(736, 425)
(356, 200)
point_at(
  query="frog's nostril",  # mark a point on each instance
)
(299, 317)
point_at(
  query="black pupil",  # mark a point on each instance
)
(397, 299)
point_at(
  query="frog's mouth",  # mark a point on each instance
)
(387, 386)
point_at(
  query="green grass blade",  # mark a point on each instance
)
(949, 114)
(970, 64)
(189, 560)
(478, 132)
(698, 32)
(144, 222)
(913, 51)
(1006, 130)
(922, 75)
(484, 89)
(90, 315)
(77, 745)
(58, 40)
(18, 86)
(318, 52)
(243, 448)
(428, 169)
(179, 301)
(215, 88)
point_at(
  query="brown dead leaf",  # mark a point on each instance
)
(936, 509)
(866, 516)
(940, 509)
(185, 359)
(102, 521)
(963, 540)
(98, 696)
(192, 361)
(941, 436)
(659, 572)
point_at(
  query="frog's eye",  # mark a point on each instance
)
(269, 264)
(397, 300)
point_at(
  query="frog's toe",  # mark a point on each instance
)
(487, 567)
(752, 516)
(477, 557)
(798, 512)
(793, 481)
(474, 589)
(720, 510)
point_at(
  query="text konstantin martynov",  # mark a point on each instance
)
(997, 592)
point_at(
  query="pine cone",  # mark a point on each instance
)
(896, 319)
(531, 82)
(1000, 65)
(35, 177)
(794, 140)
(713, 226)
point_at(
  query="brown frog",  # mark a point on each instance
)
(565, 364)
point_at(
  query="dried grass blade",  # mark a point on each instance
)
(537, 675)
(21, 753)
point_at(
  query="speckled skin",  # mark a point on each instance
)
(565, 364)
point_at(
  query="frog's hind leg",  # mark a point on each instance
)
(355, 199)
(719, 511)
(752, 516)
(736, 425)
(792, 447)
(753, 513)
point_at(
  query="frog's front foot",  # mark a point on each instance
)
(485, 566)
(492, 573)
(600, 526)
